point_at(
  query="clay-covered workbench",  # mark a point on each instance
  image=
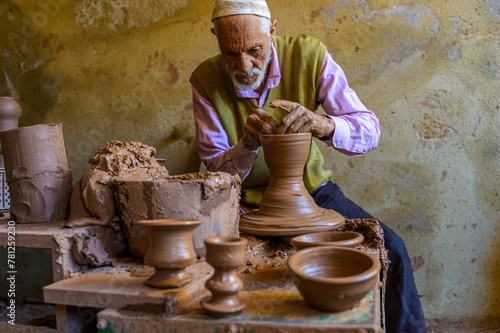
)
(274, 303)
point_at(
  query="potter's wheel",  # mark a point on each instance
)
(254, 223)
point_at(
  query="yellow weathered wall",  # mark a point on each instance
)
(429, 69)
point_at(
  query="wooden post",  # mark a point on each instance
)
(37, 172)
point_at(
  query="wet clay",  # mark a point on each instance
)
(37, 172)
(333, 278)
(212, 182)
(128, 160)
(10, 112)
(333, 238)
(287, 209)
(170, 251)
(96, 247)
(92, 200)
(226, 255)
(212, 197)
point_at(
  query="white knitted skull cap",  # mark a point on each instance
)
(240, 7)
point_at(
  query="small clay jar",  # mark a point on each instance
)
(170, 251)
(10, 112)
(225, 254)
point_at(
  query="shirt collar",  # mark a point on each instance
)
(272, 80)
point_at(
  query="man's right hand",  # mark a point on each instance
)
(258, 123)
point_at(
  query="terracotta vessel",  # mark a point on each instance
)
(332, 278)
(225, 254)
(170, 251)
(333, 238)
(10, 112)
(286, 208)
(36, 168)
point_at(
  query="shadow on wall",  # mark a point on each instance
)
(23, 69)
(496, 277)
(179, 140)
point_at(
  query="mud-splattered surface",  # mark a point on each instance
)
(193, 196)
(212, 182)
(267, 257)
(128, 161)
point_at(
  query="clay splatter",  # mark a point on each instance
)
(315, 14)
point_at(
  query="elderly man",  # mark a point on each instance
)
(264, 84)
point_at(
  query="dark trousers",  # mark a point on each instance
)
(403, 312)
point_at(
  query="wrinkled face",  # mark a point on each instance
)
(246, 48)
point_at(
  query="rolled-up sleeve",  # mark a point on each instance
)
(357, 129)
(213, 144)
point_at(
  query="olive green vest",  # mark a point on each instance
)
(301, 60)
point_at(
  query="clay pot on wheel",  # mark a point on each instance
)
(286, 208)
(225, 254)
(170, 251)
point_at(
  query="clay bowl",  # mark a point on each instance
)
(332, 278)
(333, 238)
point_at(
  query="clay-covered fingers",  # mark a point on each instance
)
(301, 120)
(267, 124)
(298, 119)
(284, 105)
(258, 123)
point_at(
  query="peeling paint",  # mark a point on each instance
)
(455, 25)
(454, 52)
(113, 14)
(492, 7)
(400, 33)
(489, 67)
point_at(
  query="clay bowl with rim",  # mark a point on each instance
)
(327, 238)
(332, 278)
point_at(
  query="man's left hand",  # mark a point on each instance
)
(301, 120)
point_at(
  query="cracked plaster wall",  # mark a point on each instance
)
(429, 69)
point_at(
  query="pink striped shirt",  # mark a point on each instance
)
(357, 129)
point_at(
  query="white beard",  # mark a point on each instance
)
(261, 74)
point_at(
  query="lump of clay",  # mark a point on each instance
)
(92, 200)
(128, 161)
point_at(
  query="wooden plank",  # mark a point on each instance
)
(116, 288)
(274, 305)
(267, 311)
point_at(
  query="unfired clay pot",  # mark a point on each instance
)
(225, 254)
(170, 251)
(37, 171)
(286, 208)
(332, 278)
(333, 238)
(10, 112)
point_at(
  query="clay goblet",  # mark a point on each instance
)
(170, 251)
(332, 278)
(225, 254)
(328, 238)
